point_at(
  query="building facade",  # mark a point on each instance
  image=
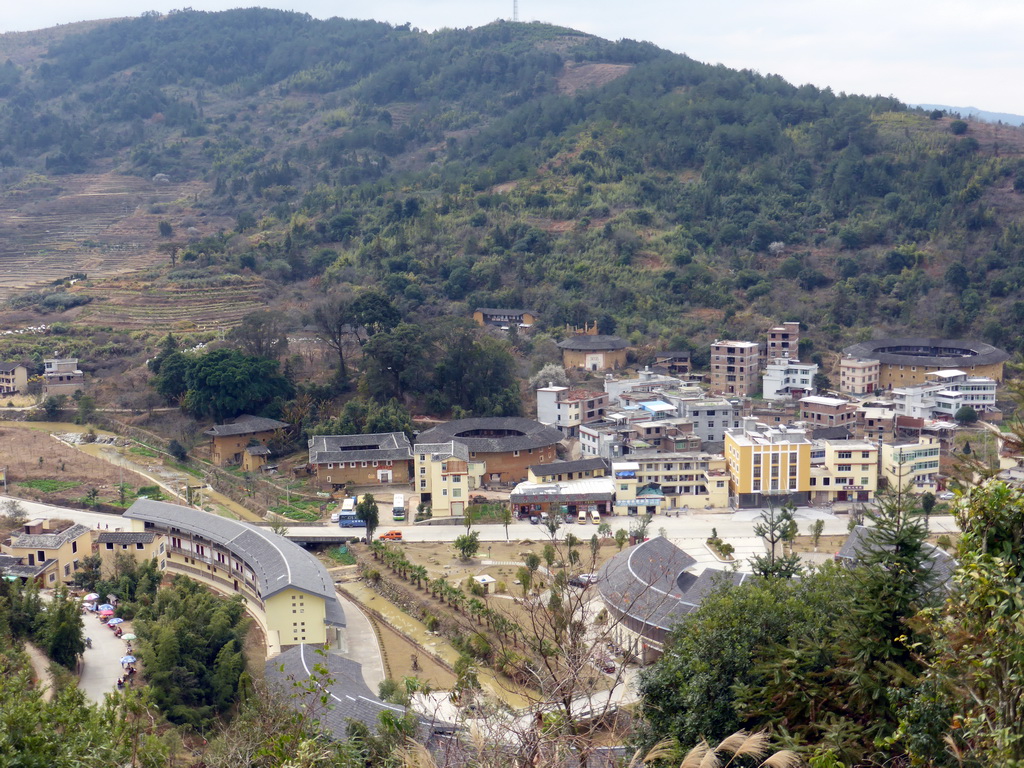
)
(768, 464)
(828, 412)
(858, 376)
(913, 463)
(843, 470)
(504, 317)
(734, 368)
(62, 377)
(376, 459)
(594, 353)
(784, 341)
(567, 409)
(13, 378)
(229, 441)
(445, 477)
(944, 393)
(54, 549)
(788, 379)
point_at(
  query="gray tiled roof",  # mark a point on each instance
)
(587, 343)
(125, 537)
(911, 350)
(532, 434)
(277, 562)
(245, 425)
(451, 449)
(49, 540)
(9, 367)
(342, 681)
(12, 566)
(383, 446)
(493, 311)
(943, 564)
(650, 583)
(581, 465)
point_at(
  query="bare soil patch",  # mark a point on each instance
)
(32, 455)
(576, 77)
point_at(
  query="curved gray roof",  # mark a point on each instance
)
(245, 425)
(531, 434)
(277, 562)
(585, 343)
(383, 446)
(926, 351)
(651, 584)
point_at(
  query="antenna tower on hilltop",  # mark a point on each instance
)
(515, 10)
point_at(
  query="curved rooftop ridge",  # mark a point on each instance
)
(916, 351)
(277, 562)
(533, 434)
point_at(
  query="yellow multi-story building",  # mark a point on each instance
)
(912, 463)
(843, 470)
(46, 551)
(138, 545)
(286, 590)
(445, 476)
(767, 463)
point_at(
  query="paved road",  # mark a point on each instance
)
(359, 643)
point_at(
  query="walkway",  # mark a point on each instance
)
(101, 664)
(360, 643)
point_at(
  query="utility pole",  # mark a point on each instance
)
(515, 10)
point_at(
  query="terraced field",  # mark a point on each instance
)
(168, 308)
(98, 224)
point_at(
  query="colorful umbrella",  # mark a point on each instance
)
(106, 613)
(128, 636)
(105, 607)
(128, 659)
(115, 621)
(90, 597)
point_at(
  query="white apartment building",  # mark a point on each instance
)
(912, 463)
(567, 409)
(945, 393)
(788, 379)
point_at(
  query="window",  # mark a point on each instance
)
(364, 464)
(515, 453)
(845, 455)
(423, 485)
(456, 493)
(110, 545)
(74, 547)
(444, 491)
(139, 545)
(844, 468)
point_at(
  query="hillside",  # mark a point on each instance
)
(510, 165)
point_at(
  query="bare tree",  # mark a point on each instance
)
(335, 326)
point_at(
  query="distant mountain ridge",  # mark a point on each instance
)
(978, 114)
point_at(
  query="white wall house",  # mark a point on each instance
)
(788, 379)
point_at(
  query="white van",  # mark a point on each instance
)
(582, 516)
(595, 517)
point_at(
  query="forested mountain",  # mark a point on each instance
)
(529, 165)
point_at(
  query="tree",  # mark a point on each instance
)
(776, 526)
(226, 383)
(53, 405)
(395, 362)
(506, 518)
(177, 450)
(261, 334)
(928, 501)
(551, 373)
(817, 528)
(467, 544)
(335, 326)
(621, 537)
(62, 634)
(165, 228)
(373, 310)
(966, 415)
(366, 510)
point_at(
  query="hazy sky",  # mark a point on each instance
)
(921, 51)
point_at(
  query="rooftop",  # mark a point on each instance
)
(126, 537)
(832, 402)
(927, 351)
(586, 343)
(278, 563)
(495, 434)
(381, 446)
(245, 425)
(48, 540)
(559, 467)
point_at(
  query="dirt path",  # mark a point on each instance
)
(41, 667)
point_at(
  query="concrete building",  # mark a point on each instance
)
(378, 459)
(571, 497)
(734, 368)
(673, 363)
(285, 589)
(13, 378)
(504, 317)
(445, 476)
(564, 471)
(594, 352)
(768, 463)
(646, 381)
(46, 551)
(566, 409)
(944, 393)
(62, 377)
(876, 423)
(821, 411)
(858, 376)
(507, 445)
(784, 341)
(693, 480)
(788, 379)
(710, 417)
(843, 470)
(914, 463)
(229, 441)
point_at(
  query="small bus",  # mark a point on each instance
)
(582, 516)
(398, 508)
(595, 517)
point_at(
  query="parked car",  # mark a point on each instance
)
(947, 496)
(391, 536)
(334, 517)
(583, 580)
(534, 519)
